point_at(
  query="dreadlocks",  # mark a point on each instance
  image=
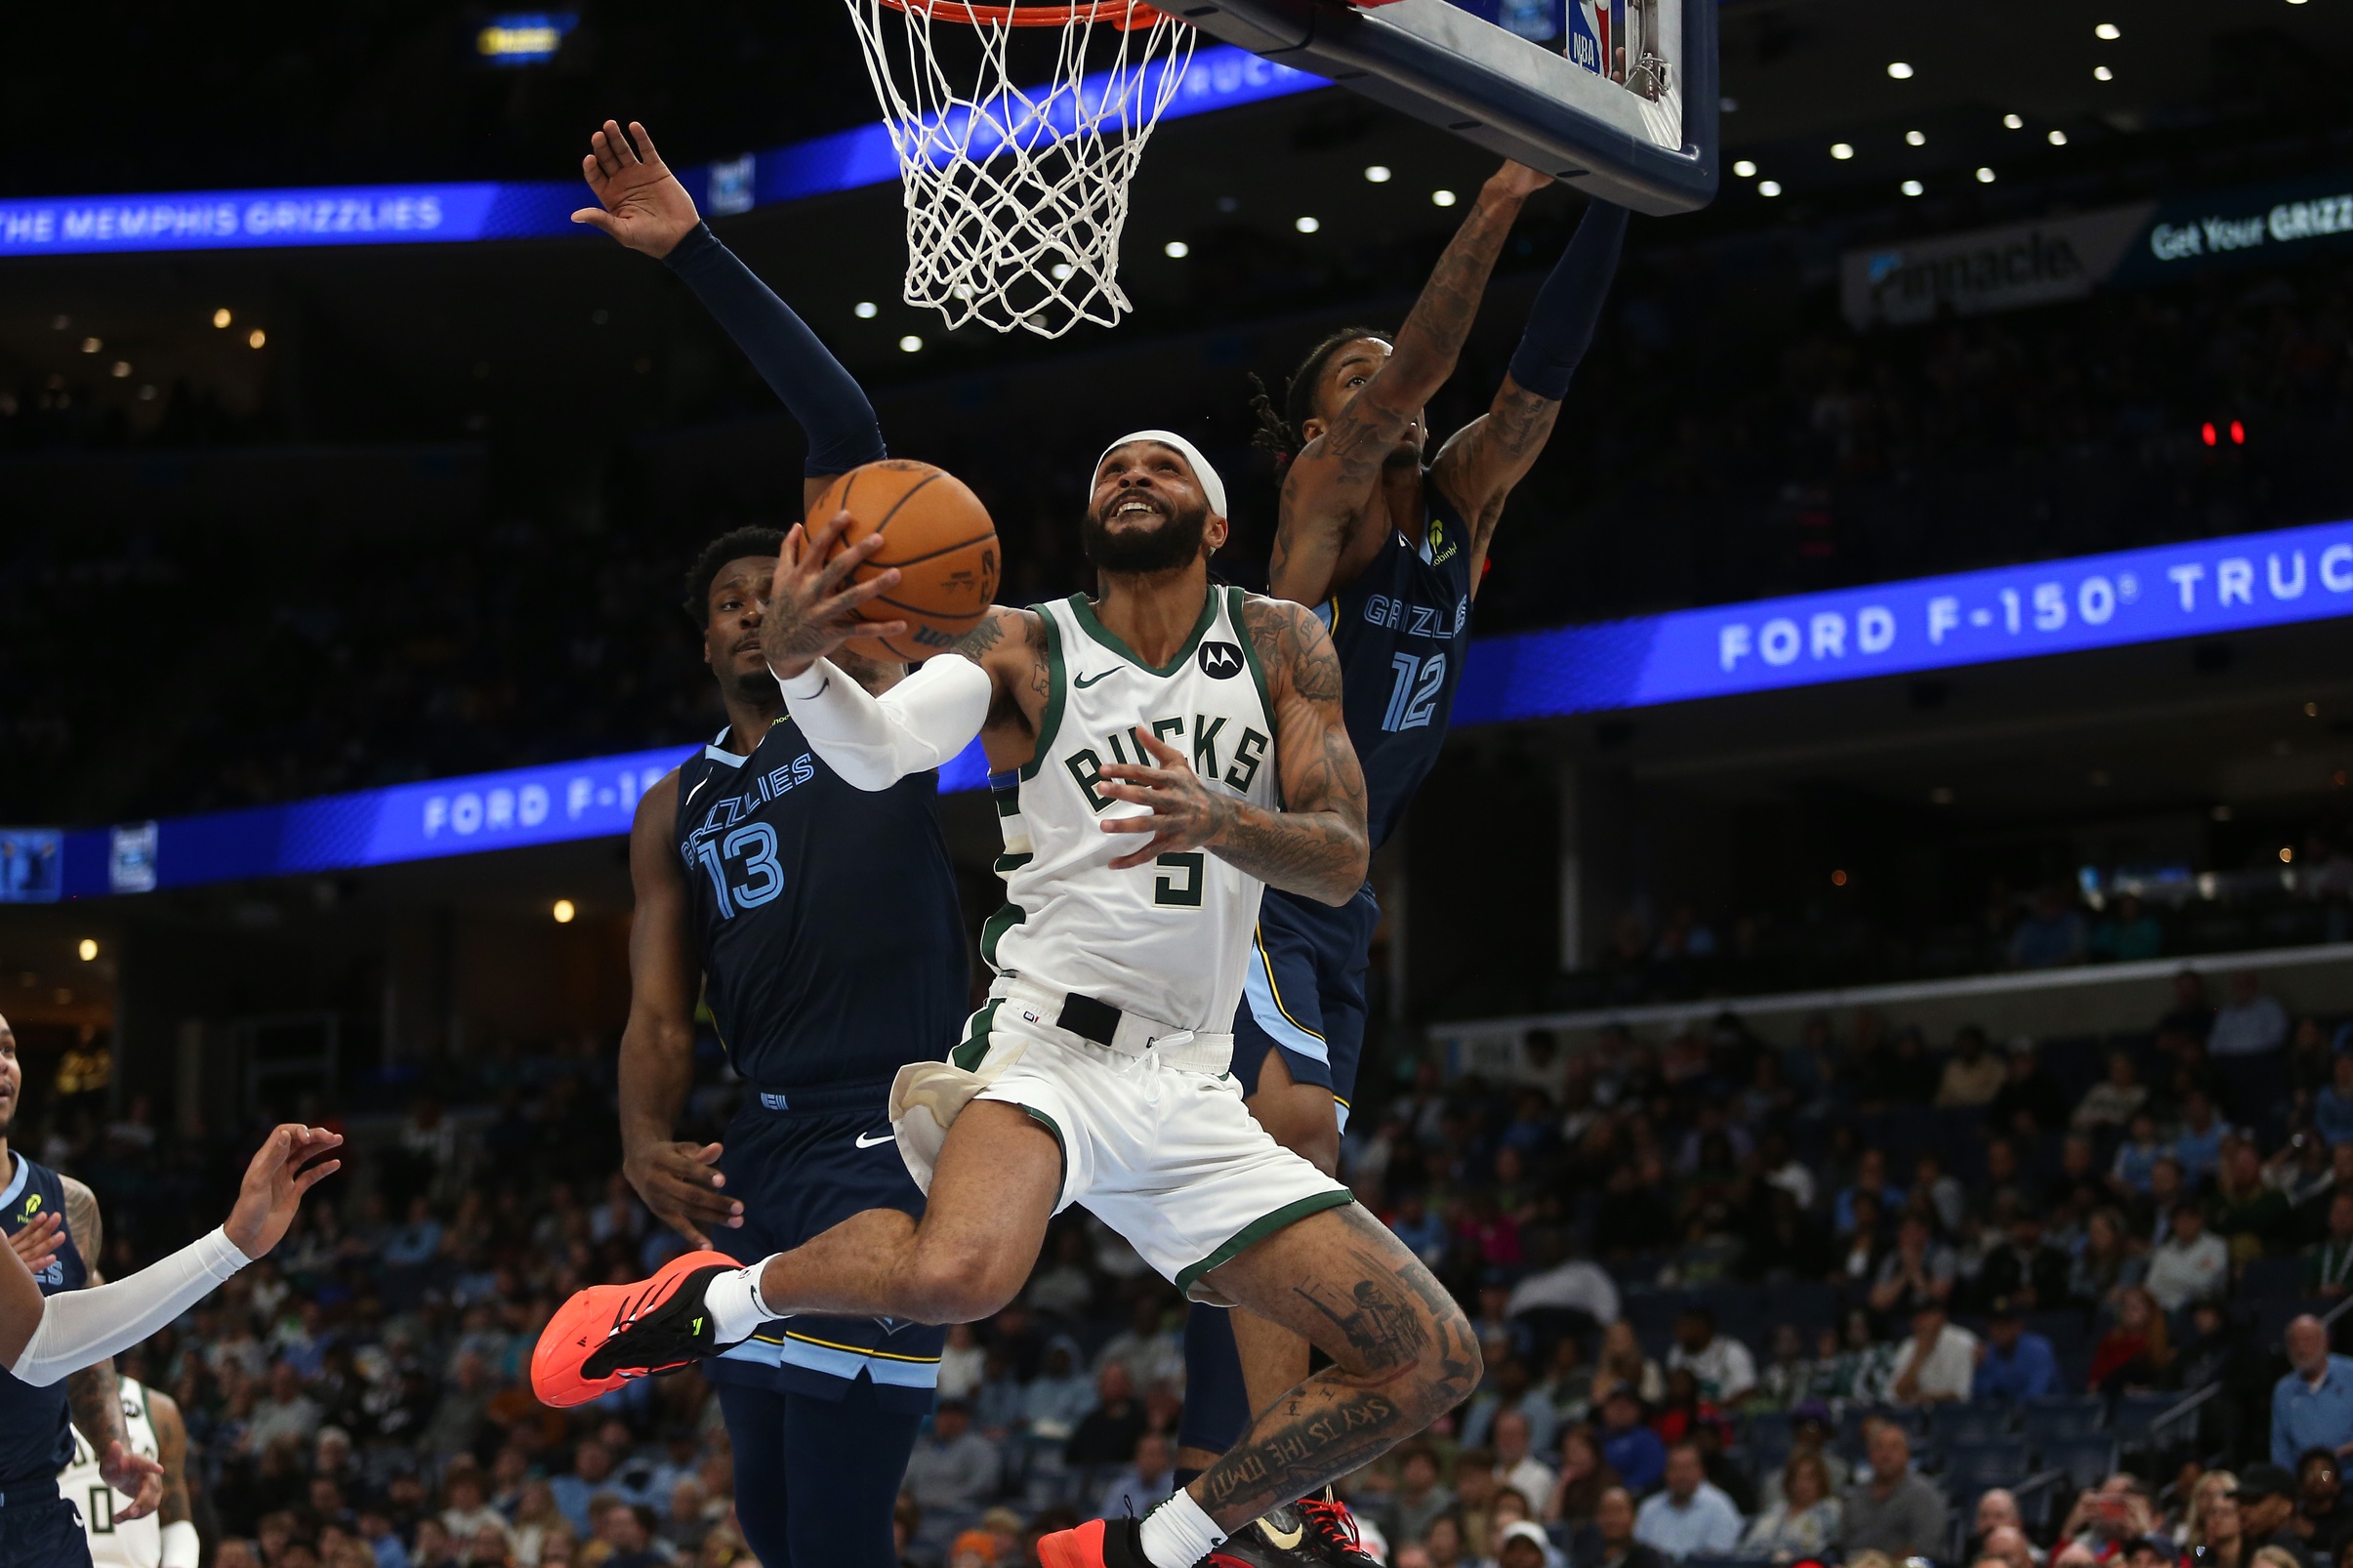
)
(1278, 431)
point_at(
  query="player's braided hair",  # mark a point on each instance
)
(733, 545)
(1278, 431)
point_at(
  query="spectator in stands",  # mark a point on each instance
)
(1059, 1396)
(1611, 1544)
(1892, 1511)
(2137, 1351)
(1515, 1465)
(1521, 1544)
(2198, 1144)
(2266, 1498)
(2328, 1270)
(1423, 1233)
(2016, 1364)
(2215, 1533)
(2191, 1017)
(1574, 1284)
(1689, 1516)
(2251, 1215)
(1810, 1432)
(1804, 1523)
(2323, 1521)
(1108, 1433)
(1937, 1363)
(2128, 934)
(2136, 1157)
(1974, 1075)
(2026, 1270)
(1142, 1487)
(2312, 1404)
(1722, 1366)
(2250, 1023)
(1871, 1176)
(2051, 937)
(1420, 1498)
(1622, 1362)
(2114, 1099)
(2105, 1264)
(1863, 1245)
(1919, 1273)
(1584, 1476)
(2106, 1517)
(2190, 1264)
(2333, 1107)
(1150, 1350)
(1628, 1443)
(2029, 1100)
(2010, 1546)
(2153, 1216)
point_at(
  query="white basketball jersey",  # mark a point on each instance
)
(1169, 940)
(128, 1543)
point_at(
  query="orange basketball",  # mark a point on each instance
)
(938, 535)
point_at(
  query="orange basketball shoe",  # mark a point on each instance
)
(606, 1335)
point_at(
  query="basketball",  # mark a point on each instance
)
(938, 535)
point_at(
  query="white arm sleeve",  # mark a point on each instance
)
(83, 1327)
(182, 1546)
(915, 725)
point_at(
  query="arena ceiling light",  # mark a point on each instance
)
(1441, 198)
(1985, 177)
(1901, 70)
(1915, 139)
(865, 310)
(2107, 32)
(1306, 224)
(1377, 174)
(222, 318)
(2059, 138)
(2101, 73)
(255, 338)
(1176, 250)
(910, 344)
(2011, 122)
(564, 911)
(1744, 169)
(1768, 188)
(88, 949)
(1913, 188)
(93, 344)
(1842, 151)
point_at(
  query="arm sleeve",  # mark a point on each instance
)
(915, 726)
(823, 396)
(1561, 326)
(83, 1327)
(182, 1546)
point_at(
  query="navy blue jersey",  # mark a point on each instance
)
(35, 1441)
(825, 916)
(1401, 630)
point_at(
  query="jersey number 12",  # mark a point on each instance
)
(1414, 700)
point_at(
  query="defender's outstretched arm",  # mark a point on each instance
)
(1324, 536)
(643, 205)
(1482, 461)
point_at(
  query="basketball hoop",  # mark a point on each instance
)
(1015, 194)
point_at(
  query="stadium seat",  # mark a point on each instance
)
(2087, 1458)
(1809, 1304)
(1767, 1440)
(2137, 1412)
(1974, 1467)
(2272, 1278)
(1956, 1424)
(2049, 1420)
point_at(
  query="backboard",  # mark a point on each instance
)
(1617, 98)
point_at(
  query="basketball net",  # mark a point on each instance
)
(1017, 196)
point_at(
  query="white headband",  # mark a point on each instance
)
(1212, 487)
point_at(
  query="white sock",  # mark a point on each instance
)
(735, 1304)
(1180, 1533)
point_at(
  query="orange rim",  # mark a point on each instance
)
(1125, 15)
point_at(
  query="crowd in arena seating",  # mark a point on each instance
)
(1863, 1295)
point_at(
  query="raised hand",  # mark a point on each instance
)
(285, 1168)
(39, 1241)
(641, 203)
(808, 612)
(135, 1477)
(1517, 179)
(1185, 813)
(678, 1184)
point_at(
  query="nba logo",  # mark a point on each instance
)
(1594, 26)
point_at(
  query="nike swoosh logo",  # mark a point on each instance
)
(697, 790)
(867, 1142)
(1086, 680)
(1283, 1540)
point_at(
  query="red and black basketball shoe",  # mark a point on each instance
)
(1097, 1543)
(607, 1334)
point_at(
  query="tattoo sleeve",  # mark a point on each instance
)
(1011, 646)
(1486, 458)
(1317, 845)
(91, 1394)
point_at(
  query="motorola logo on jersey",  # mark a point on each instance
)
(1220, 661)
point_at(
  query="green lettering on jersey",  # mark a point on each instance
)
(1247, 757)
(1205, 744)
(1088, 768)
(1163, 728)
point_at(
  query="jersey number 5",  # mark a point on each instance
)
(1184, 895)
(743, 868)
(1414, 700)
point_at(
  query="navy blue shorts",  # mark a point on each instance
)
(43, 1535)
(1305, 993)
(802, 1161)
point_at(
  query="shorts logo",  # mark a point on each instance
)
(867, 1141)
(1220, 661)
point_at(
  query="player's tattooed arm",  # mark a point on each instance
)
(1011, 645)
(1486, 459)
(1322, 536)
(171, 1450)
(92, 1395)
(1316, 845)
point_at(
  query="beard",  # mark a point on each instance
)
(1175, 543)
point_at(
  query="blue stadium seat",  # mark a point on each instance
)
(2272, 1278)
(2049, 1421)
(1974, 1467)
(1810, 1304)
(2089, 1458)
(1768, 1439)
(1954, 1425)
(2135, 1412)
